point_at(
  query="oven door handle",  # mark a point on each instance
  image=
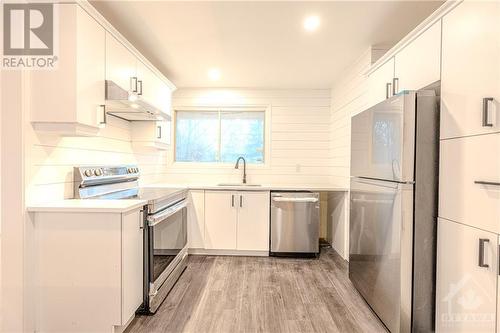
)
(161, 216)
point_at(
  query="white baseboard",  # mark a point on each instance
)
(212, 252)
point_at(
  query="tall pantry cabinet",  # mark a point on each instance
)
(469, 194)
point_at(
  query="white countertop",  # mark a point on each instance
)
(87, 206)
(263, 187)
(122, 206)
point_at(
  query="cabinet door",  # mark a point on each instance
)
(466, 292)
(463, 162)
(154, 90)
(253, 221)
(419, 63)
(90, 67)
(132, 263)
(470, 69)
(378, 80)
(121, 64)
(196, 219)
(163, 132)
(220, 220)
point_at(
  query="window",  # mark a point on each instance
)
(219, 136)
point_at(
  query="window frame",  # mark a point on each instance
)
(227, 165)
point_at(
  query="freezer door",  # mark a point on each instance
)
(380, 248)
(383, 139)
(295, 222)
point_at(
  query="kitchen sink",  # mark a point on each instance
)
(237, 184)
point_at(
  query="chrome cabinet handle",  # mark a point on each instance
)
(102, 120)
(241, 201)
(139, 91)
(486, 101)
(158, 131)
(395, 85)
(483, 182)
(133, 84)
(388, 90)
(481, 252)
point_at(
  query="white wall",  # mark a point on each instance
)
(51, 158)
(349, 96)
(299, 136)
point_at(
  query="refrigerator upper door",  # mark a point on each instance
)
(383, 140)
(380, 248)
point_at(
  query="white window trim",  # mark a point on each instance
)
(174, 165)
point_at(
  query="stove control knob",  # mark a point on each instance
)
(98, 172)
(129, 170)
(136, 170)
(88, 173)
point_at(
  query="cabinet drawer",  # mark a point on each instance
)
(470, 69)
(466, 281)
(465, 161)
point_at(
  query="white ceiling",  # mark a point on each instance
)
(260, 44)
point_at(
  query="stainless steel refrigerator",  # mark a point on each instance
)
(393, 209)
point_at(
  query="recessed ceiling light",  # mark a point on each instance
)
(214, 74)
(311, 23)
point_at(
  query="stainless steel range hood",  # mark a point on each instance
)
(130, 106)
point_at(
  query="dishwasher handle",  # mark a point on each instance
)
(290, 199)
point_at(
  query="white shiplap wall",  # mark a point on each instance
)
(349, 96)
(299, 136)
(50, 158)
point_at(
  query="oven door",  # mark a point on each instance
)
(167, 245)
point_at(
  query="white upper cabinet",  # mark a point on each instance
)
(70, 98)
(153, 89)
(151, 134)
(121, 64)
(419, 63)
(380, 83)
(471, 70)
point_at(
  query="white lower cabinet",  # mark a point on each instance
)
(196, 219)
(88, 270)
(253, 221)
(221, 216)
(237, 220)
(467, 274)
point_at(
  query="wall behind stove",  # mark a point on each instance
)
(50, 158)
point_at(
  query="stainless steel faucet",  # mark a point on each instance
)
(244, 168)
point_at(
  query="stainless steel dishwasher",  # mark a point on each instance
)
(294, 224)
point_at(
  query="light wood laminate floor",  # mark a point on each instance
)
(261, 294)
